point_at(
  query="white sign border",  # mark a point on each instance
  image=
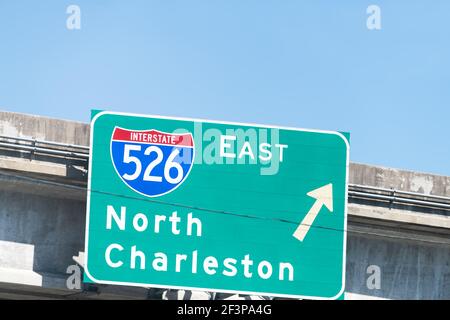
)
(147, 285)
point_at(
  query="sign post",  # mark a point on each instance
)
(216, 206)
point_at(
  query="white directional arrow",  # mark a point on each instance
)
(324, 197)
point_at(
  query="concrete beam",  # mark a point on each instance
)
(33, 166)
(377, 176)
(12, 181)
(43, 128)
(399, 216)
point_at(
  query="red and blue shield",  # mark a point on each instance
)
(152, 162)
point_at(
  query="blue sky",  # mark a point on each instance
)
(308, 64)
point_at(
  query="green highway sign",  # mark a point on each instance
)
(216, 206)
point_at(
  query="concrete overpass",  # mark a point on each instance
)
(398, 223)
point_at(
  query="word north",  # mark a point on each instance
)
(140, 222)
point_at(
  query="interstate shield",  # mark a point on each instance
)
(152, 162)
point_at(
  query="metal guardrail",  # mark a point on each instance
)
(36, 146)
(394, 196)
(355, 191)
(400, 193)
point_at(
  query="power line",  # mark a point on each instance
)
(247, 216)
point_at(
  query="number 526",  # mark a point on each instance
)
(169, 164)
